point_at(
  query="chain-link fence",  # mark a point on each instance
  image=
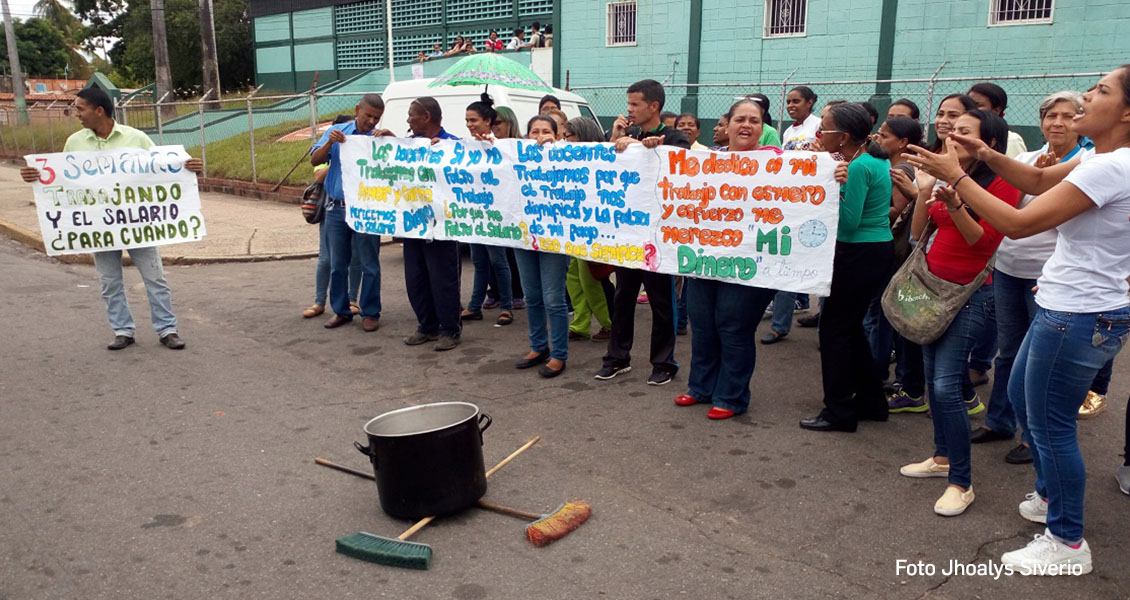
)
(710, 101)
(264, 139)
(259, 139)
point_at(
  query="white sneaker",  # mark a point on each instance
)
(926, 468)
(1045, 555)
(1123, 477)
(1034, 508)
(954, 501)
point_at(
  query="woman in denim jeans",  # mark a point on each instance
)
(543, 280)
(958, 253)
(1083, 317)
(480, 119)
(726, 315)
(1019, 263)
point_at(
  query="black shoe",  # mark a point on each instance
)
(172, 342)
(984, 434)
(418, 338)
(471, 316)
(659, 377)
(120, 341)
(819, 423)
(606, 373)
(1020, 455)
(337, 321)
(772, 337)
(446, 342)
(526, 363)
(809, 321)
(549, 373)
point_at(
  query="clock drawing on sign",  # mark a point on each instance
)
(812, 233)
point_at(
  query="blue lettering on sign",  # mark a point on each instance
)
(529, 152)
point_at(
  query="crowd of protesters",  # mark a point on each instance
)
(1055, 310)
(1049, 318)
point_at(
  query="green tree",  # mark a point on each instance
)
(59, 15)
(42, 48)
(132, 55)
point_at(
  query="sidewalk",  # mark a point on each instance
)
(239, 229)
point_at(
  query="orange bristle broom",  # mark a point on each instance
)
(547, 528)
(544, 530)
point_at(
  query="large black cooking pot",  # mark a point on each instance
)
(428, 459)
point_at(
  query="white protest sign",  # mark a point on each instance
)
(753, 218)
(116, 199)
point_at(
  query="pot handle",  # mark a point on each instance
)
(367, 451)
(483, 427)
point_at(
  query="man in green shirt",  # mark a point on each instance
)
(95, 111)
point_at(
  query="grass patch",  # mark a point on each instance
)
(39, 138)
(231, 158)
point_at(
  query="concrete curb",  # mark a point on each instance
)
(32, 240)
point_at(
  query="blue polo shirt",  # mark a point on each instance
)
(443, 135)
(332, 183)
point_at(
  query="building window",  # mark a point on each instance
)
(785, 18)
(1020, 12)
(621, 24)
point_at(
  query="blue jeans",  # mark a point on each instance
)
(1057, 362)
(945, 367)
(1101, 384)
(724, 319)
(985, 347)
(342, 240)
(784, 305)
(681, 314)
(148, 263)
(880, 336)
(485, 258)
(543, 282)
(1015, 308)
(322, 271)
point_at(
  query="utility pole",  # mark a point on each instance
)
(161, 56)
(210, 64)
(14, 65)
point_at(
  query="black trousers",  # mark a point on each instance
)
(431, 276)
(661, 297)
(852, 388)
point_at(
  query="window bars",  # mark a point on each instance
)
(621, 24)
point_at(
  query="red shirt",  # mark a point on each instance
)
(494, 44)
(950, 256)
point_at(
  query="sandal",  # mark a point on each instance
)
(504, 318)
(314, 310)
(467, 315)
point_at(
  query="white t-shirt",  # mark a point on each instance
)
(1088, 270)
(798, 135)
(1025, 258)
(515, 43)
(1015, 145)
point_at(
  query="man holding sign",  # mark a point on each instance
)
(94, 109)
(643, 126)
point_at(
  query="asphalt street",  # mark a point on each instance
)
(149, 473)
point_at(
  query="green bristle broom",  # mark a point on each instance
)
(398, 551)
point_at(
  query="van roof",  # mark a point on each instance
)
(414, 88)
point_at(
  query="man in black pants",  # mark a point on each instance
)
(431, 268)
(643, 126)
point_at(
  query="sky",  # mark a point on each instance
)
(22, 9)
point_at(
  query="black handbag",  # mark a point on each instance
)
(314, 204)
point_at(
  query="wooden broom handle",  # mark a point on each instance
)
(506, 510)
(424, 522)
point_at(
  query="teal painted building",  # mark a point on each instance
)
(852, 43)
(296, 38)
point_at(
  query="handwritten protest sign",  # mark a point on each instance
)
(116, 199)
(753, 218)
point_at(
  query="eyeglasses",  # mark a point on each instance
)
(823, 132)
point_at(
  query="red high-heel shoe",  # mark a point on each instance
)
(719, 413)
(685, 400)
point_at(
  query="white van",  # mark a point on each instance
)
(454, 100)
